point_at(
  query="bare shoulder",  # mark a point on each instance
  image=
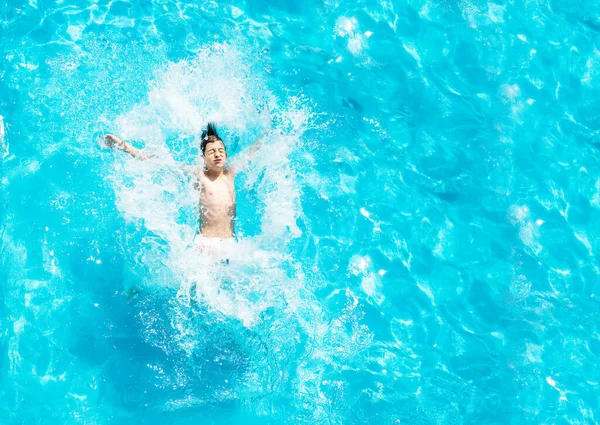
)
(197, 172)
(199, 178)
(229, 172)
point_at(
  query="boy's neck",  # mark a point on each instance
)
(213, 174)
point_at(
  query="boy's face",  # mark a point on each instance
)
(215, 155)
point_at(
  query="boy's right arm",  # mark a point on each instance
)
(113, 141)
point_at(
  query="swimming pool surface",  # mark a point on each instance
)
(417, 234)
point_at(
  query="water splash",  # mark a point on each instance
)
(157, 193)
(262, 288)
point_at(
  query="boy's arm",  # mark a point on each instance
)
(243, 158)
(256, 145)
(114, 142)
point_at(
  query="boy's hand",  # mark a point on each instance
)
(113, 141)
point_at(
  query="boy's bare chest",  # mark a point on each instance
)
(220, 192)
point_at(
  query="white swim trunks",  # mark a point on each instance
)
(216, 245)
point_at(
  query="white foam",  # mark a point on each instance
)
(348, 27)
(219, 85)
(216, 85)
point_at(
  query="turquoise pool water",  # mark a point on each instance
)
(417, 234)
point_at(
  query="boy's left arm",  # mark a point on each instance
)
(241, 160)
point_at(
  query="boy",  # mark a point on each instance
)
(215, 182)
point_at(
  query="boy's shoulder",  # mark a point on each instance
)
(229, 172)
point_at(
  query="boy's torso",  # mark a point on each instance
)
(217, 205)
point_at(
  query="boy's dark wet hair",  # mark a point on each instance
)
(210, 135)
